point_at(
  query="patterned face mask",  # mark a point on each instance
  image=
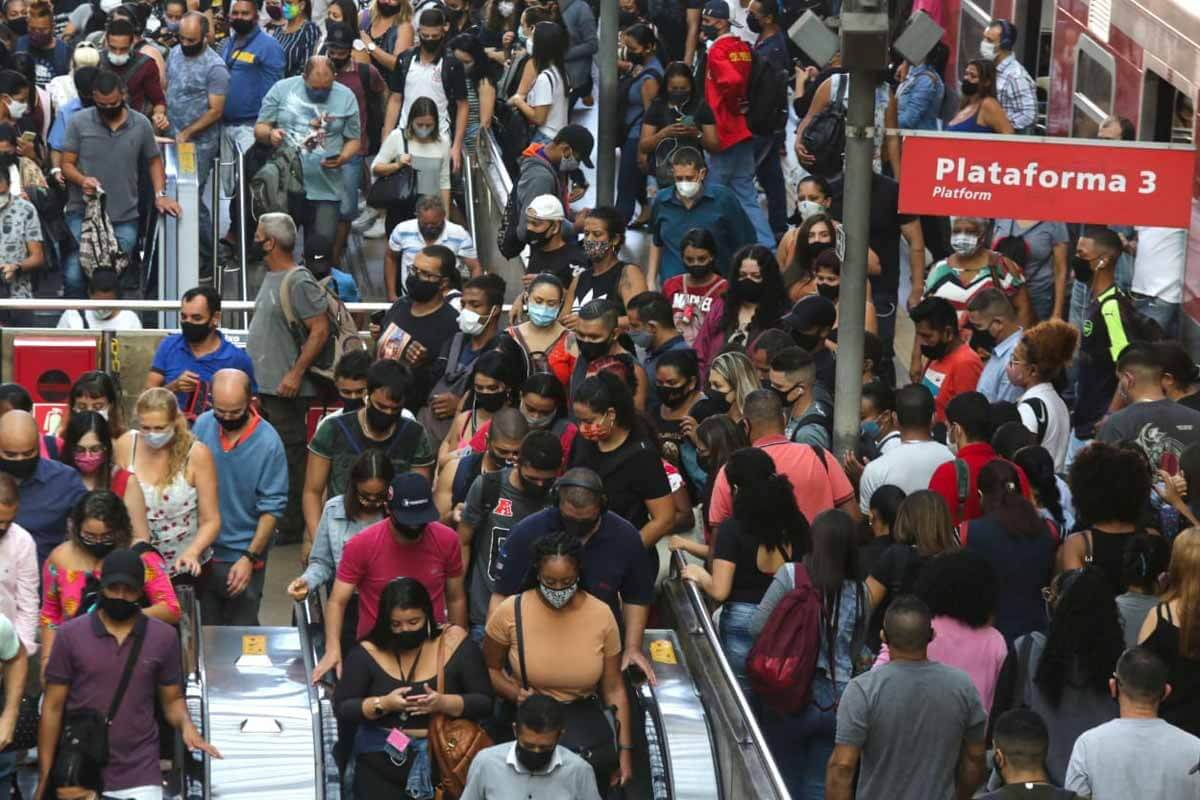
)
(558, 598)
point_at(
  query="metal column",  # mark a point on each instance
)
(179, 251)
(606, 147)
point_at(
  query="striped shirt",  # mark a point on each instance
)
(1017, 93)
(406, 241)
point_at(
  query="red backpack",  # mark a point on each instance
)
(782, 660)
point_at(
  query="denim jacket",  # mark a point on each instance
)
(919, 99)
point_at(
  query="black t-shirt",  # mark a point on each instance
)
(735, 545)
(886, 219)
(662, 114)
(1192, 401)
(632, 474)
(563, 263)
(1026, 791)
(432, 331)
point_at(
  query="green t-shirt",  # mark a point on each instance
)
(341, 439)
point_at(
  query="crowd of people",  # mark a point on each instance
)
(1007, 564)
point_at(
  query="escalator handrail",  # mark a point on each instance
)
(753, 734)
(314, 697)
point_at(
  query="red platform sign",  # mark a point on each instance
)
(1018, 177)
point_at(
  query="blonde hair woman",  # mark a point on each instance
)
(178, 478)
(1172, 630)
(386, 28)
(923, 529)
(731, 379)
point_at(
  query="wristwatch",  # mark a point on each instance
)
(358, 45)
(372, 47)
(163, 193)
(255, 558)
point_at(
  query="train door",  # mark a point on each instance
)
(1167, 114)
(1094, 87)
(973, 19)
(1035, 51)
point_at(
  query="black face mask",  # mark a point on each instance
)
(99, 549)
(678, 98)
(339, 64)
(535, 488)
(672, 396)
(20, 468)
(419, 290)
(431, 46)
(409, 640)
(710, 32)
(534, 238)
(968, 88)
(982, 339)
(351, 404)
(430, 232)
(783, 395)
(635, 58)
(579, 527)
(829, 290)
(593, 350)
(380, 420)
(19, 26)
(195, 332)
(192, 50)
(243, 26)
(533, 760)
(110, 112)
(490, 402)
(719, 403)
(1082, 268)
(698, 272)
(118, 609)
(236, 423)
(626, 18)
(748, 290)
(753, 23)
(387, 10)
(409, 532)
(934, 351)
(808, 341)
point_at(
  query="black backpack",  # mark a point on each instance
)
(767, 97)
(825, 136)
(1138, 327)
(507, 241)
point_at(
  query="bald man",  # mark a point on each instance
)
(252, 487)
(47, 489)
(294, 113)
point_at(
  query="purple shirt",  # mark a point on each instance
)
(87, 658)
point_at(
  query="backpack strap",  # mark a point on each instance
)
(83, 319)
(285, 295)
(340, 422)
(139, 636)
(843, 82)
(1088, 556)
(491, 490)
(521, 644)
(819, 452)
(962, 479)
(1041, 416)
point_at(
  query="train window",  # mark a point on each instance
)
(972, 22)
(1095, 74)
(1168, 115)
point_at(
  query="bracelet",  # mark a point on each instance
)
(626, 747)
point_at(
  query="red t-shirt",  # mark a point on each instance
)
(691, 303)
(725, 83)
(373, 557)
(950, 376)
(945, 480)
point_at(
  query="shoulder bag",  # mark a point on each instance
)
(397, 191)
(453, 741)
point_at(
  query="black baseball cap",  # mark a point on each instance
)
(122, 567)
(581, 142)
(718, 9)
(411, 500)
(812, 311)
(339, 37)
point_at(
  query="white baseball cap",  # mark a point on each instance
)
(546, 207)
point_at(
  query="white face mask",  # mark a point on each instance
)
(423, 131)
(103, 313)
(987, 50)
(118, 59)
(964, 243)
(17, 109)
(470, 323)
(687, 189)
(160, 439)
(810, 208)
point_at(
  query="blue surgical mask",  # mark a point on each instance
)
(870, 429)
(160, 439)
(317, 95)
(543, 316)
(568, 164)
(642, 339)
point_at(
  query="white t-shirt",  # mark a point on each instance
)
(1159, 262)
(908, 466)
(549, 89)
(425, 80)
(1057, 438)
(124, 320)
(406, 240)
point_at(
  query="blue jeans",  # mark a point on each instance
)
(351, 180)
(631, 181)
(476, 632)
(733, 168)
(74, 283)
(802, 743)
(734, 633)
(8, 767)
(1164, 313)
(767, 157)
(205, 155)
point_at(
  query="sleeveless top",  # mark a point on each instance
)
(1182, 706)
(591, 287)
(1106, 551)
(172, 511)
(969, 125)
(538, 361)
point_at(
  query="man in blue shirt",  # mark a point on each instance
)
(82, 78)
(319, 117)
(615, 567)
(51, 55)
(693, 203)
(252, 492)
(652, 328)
(771, 46)
(48, 489)
(255, 61)
(186, 362)
(994, 319)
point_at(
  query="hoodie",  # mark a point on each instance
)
(581, 28)
(539, 176)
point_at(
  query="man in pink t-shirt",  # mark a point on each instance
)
(410, 543)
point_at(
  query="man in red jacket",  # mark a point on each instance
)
(727, 75)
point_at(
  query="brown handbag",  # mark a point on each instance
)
(453, 741)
